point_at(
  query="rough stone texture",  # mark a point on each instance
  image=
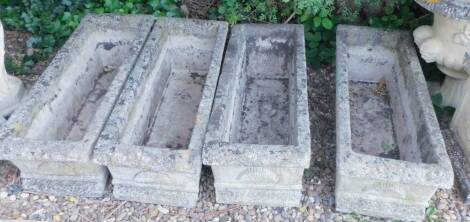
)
(368, 182)
(459, 163)
(153, 140)
(459, 9)
(51, 135)
(370, 108)
(258, 140)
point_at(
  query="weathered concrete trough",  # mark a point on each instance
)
(391, 156)
(258, 140)
(51, 135)
(152, 142)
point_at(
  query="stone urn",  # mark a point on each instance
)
(11, 88)
(447, 43)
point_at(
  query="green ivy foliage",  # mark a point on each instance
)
(317, 17)
(399, 14)
(51, 22)
(235, 11)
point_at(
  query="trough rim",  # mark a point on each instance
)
(218, 150)
(439, 174)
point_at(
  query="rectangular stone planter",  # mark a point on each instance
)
(391, 155)
(258, 140)
(51, 135)
(153, 140)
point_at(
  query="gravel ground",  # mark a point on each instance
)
(318, 201)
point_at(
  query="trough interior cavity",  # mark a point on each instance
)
(386, 121)
(371, 112)
(173, 92)
(71, 105)
(372, 128)
(265, 94)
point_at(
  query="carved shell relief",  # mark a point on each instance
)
(258, 175)
(58, 168)
(387, 187)
(148, 176)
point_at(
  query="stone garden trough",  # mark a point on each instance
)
(391, 156)
(52, 133)
(152, 143)
(258, 140)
